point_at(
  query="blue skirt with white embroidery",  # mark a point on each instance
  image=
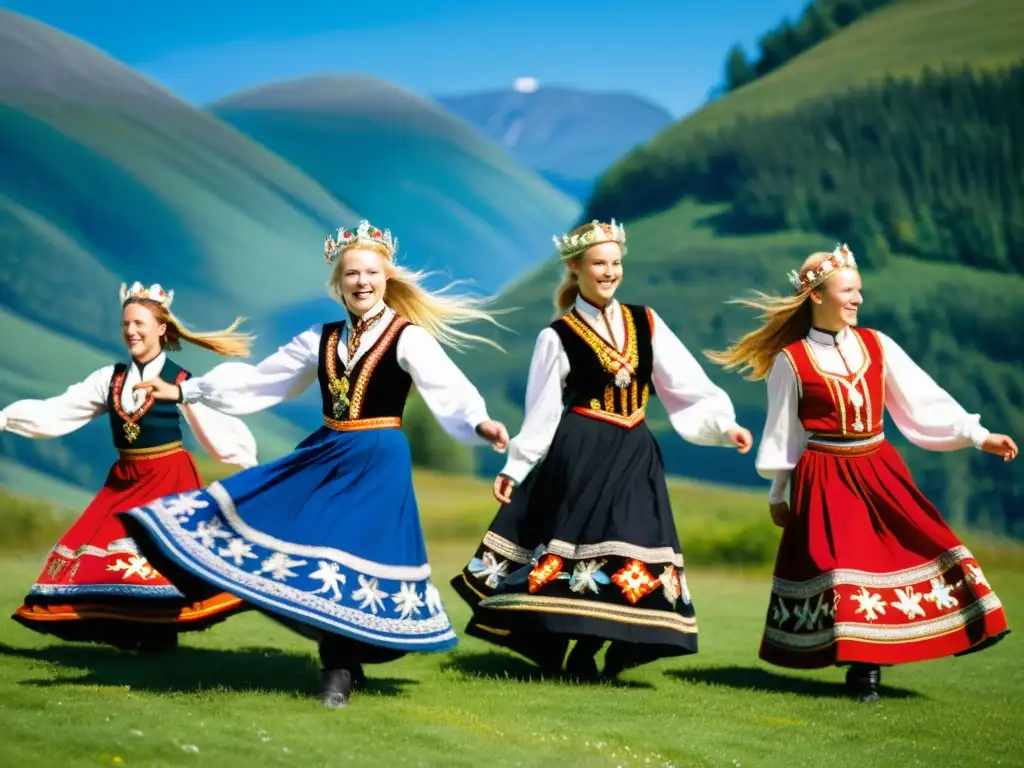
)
(326, 539)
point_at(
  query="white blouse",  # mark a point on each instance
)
(241, 388)
(225, 438)
(699, 411)
(925, 413)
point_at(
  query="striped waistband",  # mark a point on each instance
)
(360, 425)
(845, 446)
(156, 452)
(627, 422)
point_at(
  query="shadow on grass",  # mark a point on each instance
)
(190, 670)
(492, 665)
(763, 681)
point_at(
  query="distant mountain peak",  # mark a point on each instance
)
(559, 130)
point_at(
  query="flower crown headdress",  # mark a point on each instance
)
(840, 258)
(364, 233)
(153, 293)
(569, 247)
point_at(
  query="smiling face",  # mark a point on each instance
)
(599, 271)
(363, 279)
(834, 304)
(141, 331)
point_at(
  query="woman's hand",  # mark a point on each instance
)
(781, 513)
(1000, 445)
(494, 432)
(741, 438)
(161, 390)
(503, 488)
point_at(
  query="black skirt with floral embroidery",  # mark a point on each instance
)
(586, 549)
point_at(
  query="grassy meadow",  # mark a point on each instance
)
(239, 694)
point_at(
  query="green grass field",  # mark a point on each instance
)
(240, 693)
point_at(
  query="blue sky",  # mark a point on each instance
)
(668, 50)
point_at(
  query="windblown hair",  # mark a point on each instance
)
(437, 312)
(569, 288)
(785, 319)
(229, 342)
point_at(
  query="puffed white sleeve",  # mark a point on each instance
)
(924, 412)
(549, 368)
(784, 437)
(225, 438)
(237, 389)
(700, 411)
(451, 397)
(63, 414)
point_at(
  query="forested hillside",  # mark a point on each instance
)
(901, 135)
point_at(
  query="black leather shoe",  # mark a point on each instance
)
(581, 663)
(358, 676)
(335, 688)
(862, 681)
(159, 643)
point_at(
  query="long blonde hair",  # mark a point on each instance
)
(437, 312)
(786, 319)
(228, 342)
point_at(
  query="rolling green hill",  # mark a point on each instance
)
(105, 176)
(738, 202)
(900, 40)
(456, 201)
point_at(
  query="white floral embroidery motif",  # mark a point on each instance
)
(941, 594)
(588, 576)
(238, 550)
(330, 574)
(870, 604)
(433, 597)
(909, 602)
(279, 566)
(489, 569)
(136, 566)
(207, 532)
(975, 576)
(369, 594)
(407, 601)
(181, 507)
(670, 585)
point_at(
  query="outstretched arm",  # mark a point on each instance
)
(63, 414)
(450, 396)
(226, 438)
(549, 367)
(238, 389)
(699, 411)
(784, 437)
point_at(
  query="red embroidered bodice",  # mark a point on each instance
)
(847, 405)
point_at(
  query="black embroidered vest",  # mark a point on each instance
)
(156, 423)
(375, 388)
(591, 388)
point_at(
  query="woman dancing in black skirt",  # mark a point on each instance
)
(585, 546)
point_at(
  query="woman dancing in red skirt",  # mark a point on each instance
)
(95, 586)
(868, 573)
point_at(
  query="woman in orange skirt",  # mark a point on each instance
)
(868, 573)
(95, 586)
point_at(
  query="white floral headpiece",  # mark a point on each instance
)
(153, 293)
(840, 258)
(569, 247)
(366, 233)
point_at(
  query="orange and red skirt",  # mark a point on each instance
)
(95, 586)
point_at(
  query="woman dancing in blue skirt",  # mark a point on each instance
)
(327, 539)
